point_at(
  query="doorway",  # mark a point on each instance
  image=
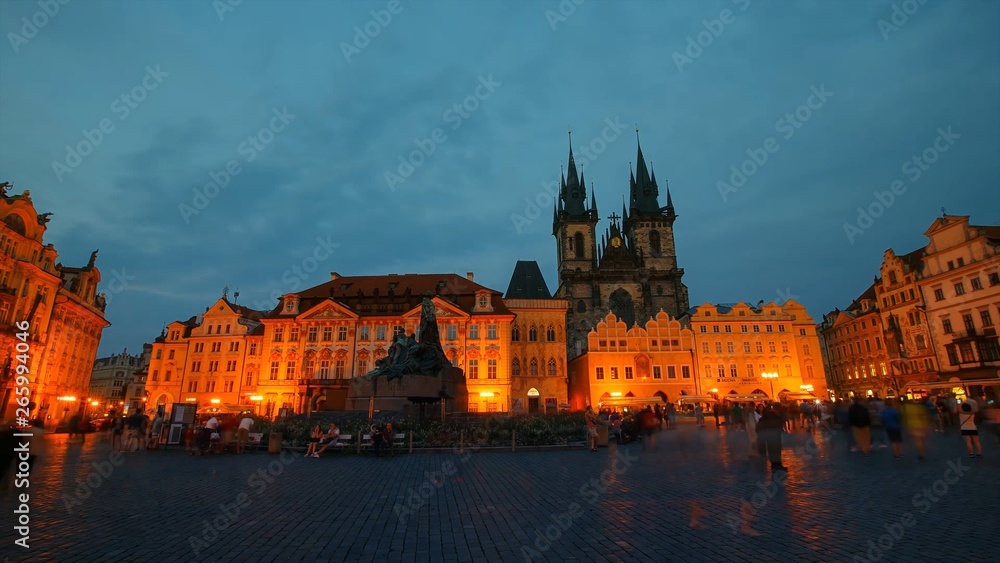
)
(533, 405)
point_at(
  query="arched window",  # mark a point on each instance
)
(16, 223)
(578, 244)
(550, 334)
(533, 367)
(551, 367)
(654, 243)
(533, 334)
(515, 367)
(515, 334)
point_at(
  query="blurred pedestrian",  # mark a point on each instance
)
(769, 429)
(892, 421)
(860, 421)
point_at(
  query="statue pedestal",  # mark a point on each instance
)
(409, 391)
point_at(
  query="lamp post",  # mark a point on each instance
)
(770, 376)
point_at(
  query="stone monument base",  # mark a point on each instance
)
(409, 392)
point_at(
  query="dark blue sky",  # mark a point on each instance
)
(197, 85)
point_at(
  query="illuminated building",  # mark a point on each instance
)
(908, 339)
(110, 380)
(738, 342)
(631, 272)
(202, 360)
(653, 361)
(319, 338)
(856, 355)
(537, 342)
(960, 283)
(65, 313)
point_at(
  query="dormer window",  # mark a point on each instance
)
(291, 306)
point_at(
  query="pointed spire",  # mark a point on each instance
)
(593, 200)
(670, 204)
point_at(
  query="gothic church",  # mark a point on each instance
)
(632, 271)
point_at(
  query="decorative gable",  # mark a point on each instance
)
(327, 310)
(442, 310)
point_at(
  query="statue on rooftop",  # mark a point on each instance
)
(5, 187)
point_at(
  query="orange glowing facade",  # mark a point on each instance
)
(62, 307)
(738, 343)
(656, 360)
(856, 354)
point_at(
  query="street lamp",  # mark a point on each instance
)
(770, 376)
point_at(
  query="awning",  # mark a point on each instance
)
(698, 399)
(630, 401)
(951, 384)
(225, 409)
(800, 396)
(753, 397)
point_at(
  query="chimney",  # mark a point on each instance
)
(334, 276)
(470, 276)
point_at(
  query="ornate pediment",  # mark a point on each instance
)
(327, 310)
(442, 310)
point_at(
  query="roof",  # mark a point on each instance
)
(868, 295)
(245, 311)
(527, 282)
(400, 293)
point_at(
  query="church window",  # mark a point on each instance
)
(515, 367)
(533, 367)
(654, 243)
(550, 334)
(551, 367)
(578, 245)
(515, 334)
(532, 334)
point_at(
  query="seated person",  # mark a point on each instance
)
(329, 438)
(314, 437)
(382, 438)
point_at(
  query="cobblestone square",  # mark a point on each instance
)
(695, 497)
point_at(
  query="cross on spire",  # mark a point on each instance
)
(614, 217)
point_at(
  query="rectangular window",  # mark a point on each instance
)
(970, 325)
(312, 334)
(279, 334)
(327, 334)
(704, 347)
(274, 371)
(685, 372)
(722, 370)
(708, 371)
(732, 371)
(324, 369)
(491, 332)
(473, 369)
(750, 370)
(788, 370)
(213, 366)
(192, 386)
(380, 333)
(984, 316)
(210, 387)
(746, 347)
(599, 373)
(657, 373)
(730, 348)
(939, 294)
(309, 369)
(769, 328)
(976, 284)
(802, 332)
(994, 278)
(293, 334)
(364, 333)
(234, 346)
(628, 372)
(196, 366)
(703, 329)
(156, 374)
(878, 343)
(451, 332)
(756, 328)
(744, 328)
(229, 386)
(166, 375)
(771, 348)
(614, 373)
(715, 329)
(342, 334)
(170, 355)
(718, 347)
(290, 370)
(868, 345)
(491, 369)
(340, 369)
(729, 328)
(473, 332)
(671, 372)
(959, 288)
(759, 347)
(361, 367)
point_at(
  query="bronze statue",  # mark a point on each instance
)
(408, 357)
(93, 258)
(44, 218)
(5, 187)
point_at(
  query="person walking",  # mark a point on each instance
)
(967, 423)
(243, 434)
(154, 432)
(769, 429)
(591, 419)
(752, 417)
(917, 421)
(892, 421)
(861, 421)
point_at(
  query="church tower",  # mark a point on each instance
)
(650, 228)
(574, 224)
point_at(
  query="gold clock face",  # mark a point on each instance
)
(616, 242)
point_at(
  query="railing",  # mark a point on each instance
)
(325, 382)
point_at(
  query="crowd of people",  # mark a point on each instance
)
(867, 423)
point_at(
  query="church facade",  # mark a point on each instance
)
(631, 271)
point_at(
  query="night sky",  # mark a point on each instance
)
(155, 100)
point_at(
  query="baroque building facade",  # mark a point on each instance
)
(62, 307)
(857, 354)
(112, 382)
(738, 342)
(631, 271)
